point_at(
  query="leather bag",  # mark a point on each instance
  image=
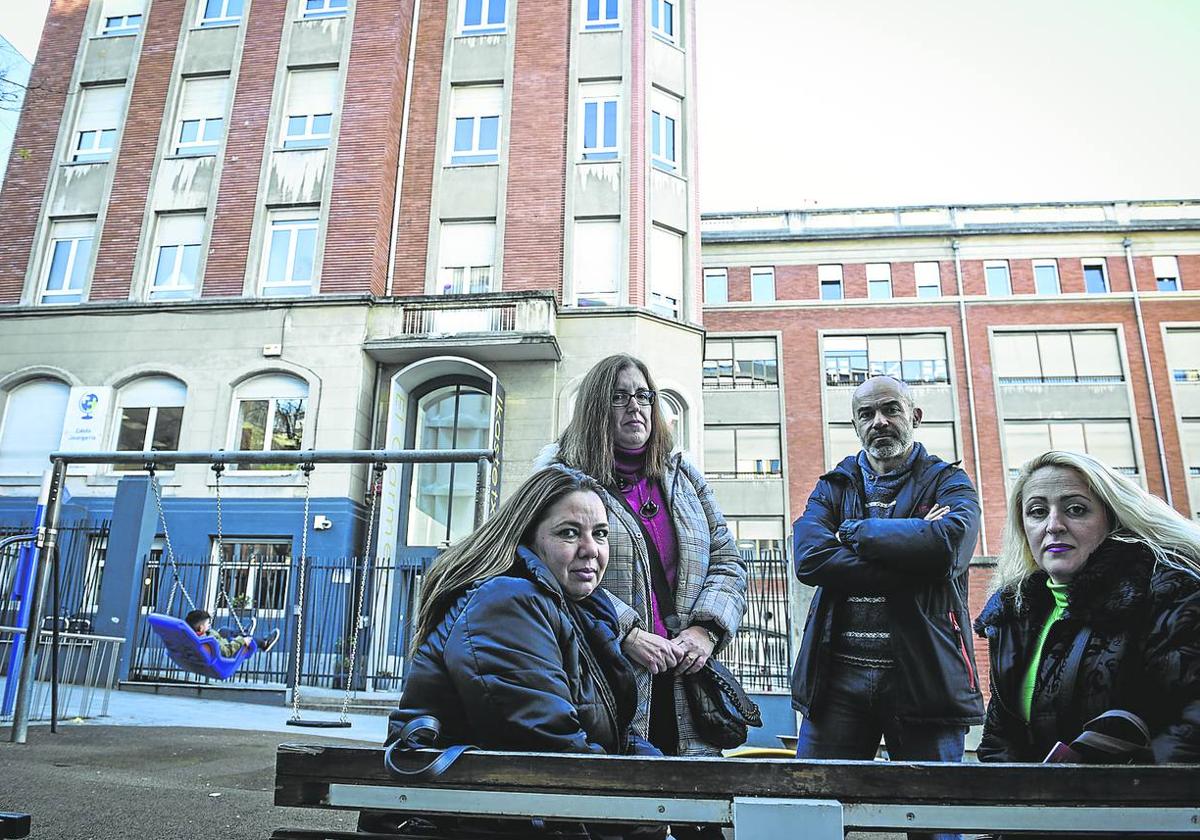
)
(721, 709)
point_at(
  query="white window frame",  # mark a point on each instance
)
(762, 272)
(882, 275)
(483, 27)
(56, 297)
(665, 114)
(309, 138)
(224, 19)
(326, 9)
(825, 277)
(603, 22)
(666, 300)
(987, 289)
(721, 274)
(934, 282)
(174, 290)
(470, 269)
(109, 29)
(271, 387)
(600, 95)
(1102, 264)
(1057, 276)
(97, 152)
(657, 8)
(292, 221)
(596, 296)
(198, 147)
(475, 103)
(155, 392)
(1166, 267)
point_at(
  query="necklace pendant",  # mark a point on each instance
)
(649, 510)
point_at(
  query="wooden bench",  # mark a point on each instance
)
(757, 798)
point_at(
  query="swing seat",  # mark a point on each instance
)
(197, 654)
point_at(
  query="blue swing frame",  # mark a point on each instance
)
(197, 654)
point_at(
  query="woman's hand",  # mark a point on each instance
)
(654, 653)
(695, 647)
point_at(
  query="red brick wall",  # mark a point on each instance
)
(420, 158)
(1070, 276)
(1021, 272)
(1189, 266)
(637, 173)
(1118, 275)
(368, 147)
(237, 196)
(691, 136)
(1143, 267)
(32, 158)
(796, 282)
(974, 282)
(854, 280)
(118, 241)
(533, 217)
(904, 280)
(739, 283)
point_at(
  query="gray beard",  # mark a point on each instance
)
(888, 449)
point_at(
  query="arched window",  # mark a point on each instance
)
(674, 411)
(268, 416)
(442, 497)
(32, 426)
(151, 414)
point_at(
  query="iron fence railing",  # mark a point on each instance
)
(761, 653)
(87, 667)
(81, 552)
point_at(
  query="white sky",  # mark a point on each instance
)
(838, 103)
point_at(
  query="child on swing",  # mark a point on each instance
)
(201, 623)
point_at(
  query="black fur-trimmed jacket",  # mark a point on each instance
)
(1142, 654)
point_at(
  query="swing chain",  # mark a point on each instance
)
(377, 470)
(307, 469)
(177, 583)
(222, 589)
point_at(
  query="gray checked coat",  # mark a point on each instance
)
(710, 586)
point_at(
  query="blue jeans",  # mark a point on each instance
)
(855, 712)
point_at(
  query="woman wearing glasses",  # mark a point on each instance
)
(674, 572)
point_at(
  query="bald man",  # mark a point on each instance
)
(886, 538)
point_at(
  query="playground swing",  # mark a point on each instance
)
(343, 720)
(190, 651)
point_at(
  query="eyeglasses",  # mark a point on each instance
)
(643, 397)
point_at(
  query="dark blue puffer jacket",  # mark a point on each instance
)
(514, 665)
(922, 569)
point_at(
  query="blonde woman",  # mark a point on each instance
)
(1096, 607)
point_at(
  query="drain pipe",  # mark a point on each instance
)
(408, 81)
(966, 340)
(1127, 244)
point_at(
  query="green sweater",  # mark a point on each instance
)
(1059, 591)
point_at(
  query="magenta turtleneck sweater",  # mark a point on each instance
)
(637, 490)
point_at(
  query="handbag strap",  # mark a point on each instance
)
(422, 733)
(1113, 745)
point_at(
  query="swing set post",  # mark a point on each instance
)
(47, 545)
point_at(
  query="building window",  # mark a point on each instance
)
(716, 285)
(879, 281)
(324, 9)
(308, 110)
(1166, 273)
(741, 363)
(1110, 441)
(200, 125)
(220, 12)
(475, 115)
(291, 253)
(596, 262)
(918, 359)
(482, 17)
(601, 14)
(466, 255)
(96, 122)
(268, 416)
(663, 22)
(757, 534)
(664, 133)
(762, 285)
(151, 415)
(32, 426)
(442, 496)
(68, 260)
(1057, 357)
(1045, 277)
(1189, 430)
(177, 257)
(1183, 355)
(675, 415)
(929, 279)
(600, 121)
(830, 278)
(115, 25)
(1095, 277)
(742, 451)
(666, 272)
(999, 284)
(254, 575)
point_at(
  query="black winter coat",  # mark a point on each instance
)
(922, 569)
(514, 665)
(1141, 628)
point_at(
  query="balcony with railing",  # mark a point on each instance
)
(490, 326)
